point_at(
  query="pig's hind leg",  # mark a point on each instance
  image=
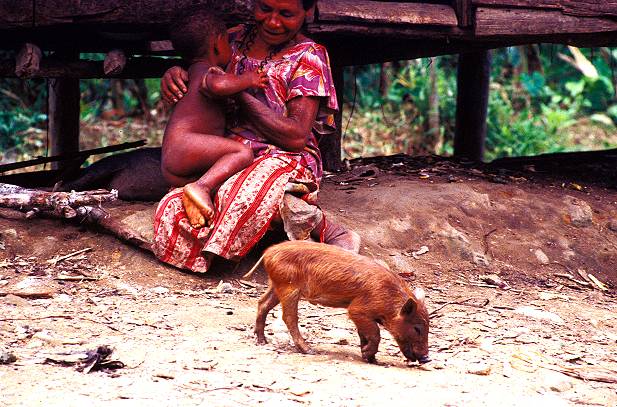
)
(368, 331)
(267, 301)
(289, 302)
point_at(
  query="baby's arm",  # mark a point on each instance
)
(226, 84)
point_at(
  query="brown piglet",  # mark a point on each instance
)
(329, 276)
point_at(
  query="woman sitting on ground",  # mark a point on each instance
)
(281, 124)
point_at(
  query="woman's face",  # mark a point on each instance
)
(278, 21)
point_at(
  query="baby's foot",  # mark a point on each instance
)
(198, 205)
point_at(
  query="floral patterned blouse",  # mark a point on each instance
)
(303, 70)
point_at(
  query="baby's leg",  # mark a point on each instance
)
(223, 158)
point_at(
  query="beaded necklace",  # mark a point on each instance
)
(247, 43)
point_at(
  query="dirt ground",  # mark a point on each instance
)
(519, 266)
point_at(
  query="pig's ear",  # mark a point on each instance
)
(419, 294)
(409, 307)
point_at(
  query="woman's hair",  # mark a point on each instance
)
(307, 4)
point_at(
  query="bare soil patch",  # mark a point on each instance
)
(509, 250)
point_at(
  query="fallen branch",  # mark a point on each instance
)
(71, 205)
(62, 204)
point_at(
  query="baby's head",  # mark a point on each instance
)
(200, 34)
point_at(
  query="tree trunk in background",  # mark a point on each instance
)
(117, 97)
(330, 144)
(385, 81)
(534, 64)
(473, 79)
(434, 140)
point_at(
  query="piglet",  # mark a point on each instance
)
(329, 276)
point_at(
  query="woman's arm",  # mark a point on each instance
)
(174, 84)
(288, 132)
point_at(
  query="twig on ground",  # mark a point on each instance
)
(76, 278)
(464, 302)
(57, 260)
(332, 314)
(571, 278)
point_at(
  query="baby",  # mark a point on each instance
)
(194, 152)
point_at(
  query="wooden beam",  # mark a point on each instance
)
(122, 12)
(330, 145)
(473, 79)
(588, 8)
(377, 12)
(540, 4)
(16, 14)
(144, 67)
(492, 22)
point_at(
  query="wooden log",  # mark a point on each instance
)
(492, 22)
(330, 144)
(376, 12)
(28, 60)
(114, 63)
(85, 214)
(63, 204)
(473, 79)
(144, 67)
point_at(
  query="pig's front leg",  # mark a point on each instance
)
(267, 301)
(368, 330)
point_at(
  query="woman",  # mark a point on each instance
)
(280, 124)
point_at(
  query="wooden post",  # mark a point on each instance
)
(330, 145)
(474, 74)
(464, 13)
(63, 117)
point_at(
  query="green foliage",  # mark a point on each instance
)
(15, 124)
(537, 104)
(540, 102)
(22, 107)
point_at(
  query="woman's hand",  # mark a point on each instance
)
(173, 84)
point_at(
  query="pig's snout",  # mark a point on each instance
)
(422, 359)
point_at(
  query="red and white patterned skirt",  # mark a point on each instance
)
(245, 206)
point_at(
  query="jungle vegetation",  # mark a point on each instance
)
(543, 99)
